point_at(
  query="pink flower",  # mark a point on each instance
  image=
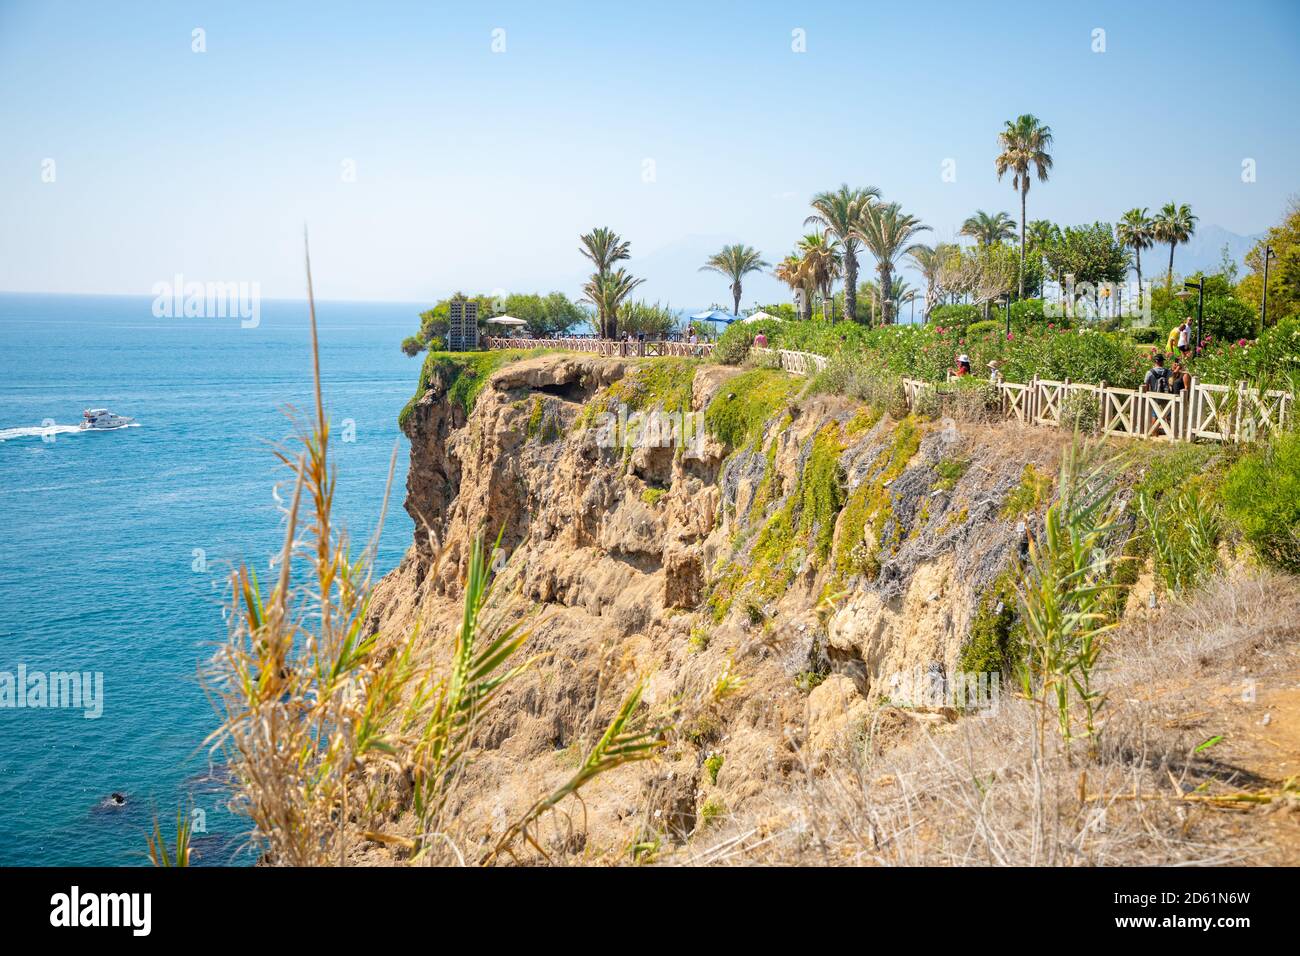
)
(1241, 342)
(1010, 336)
(1050, 325)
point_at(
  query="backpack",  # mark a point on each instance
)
(1162, 382)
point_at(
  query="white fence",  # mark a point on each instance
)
(801, 363)
(1215, 412)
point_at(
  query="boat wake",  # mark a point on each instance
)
(43, 431)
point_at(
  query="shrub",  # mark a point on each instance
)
(955, 316)
(743, 405)
(985, 327)
(1262, 495)
(1146, 335)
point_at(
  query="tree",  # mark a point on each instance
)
(1173, 224)
(649, 318)
(607, 292)
(887, 232)
(603, 247)
(791, 271)
(1024, 142)
(735, 262)
(822, 263)
(548, 315)
(1136, 231)
(986, 229)
(1283, 268)
(838, 212)
(929, 261)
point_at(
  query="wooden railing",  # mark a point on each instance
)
(1202, 411)
(800, 363)
(610, 347)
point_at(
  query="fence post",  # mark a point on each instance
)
(1101, 405)
(1192, 406)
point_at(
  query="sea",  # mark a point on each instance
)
(117, 545)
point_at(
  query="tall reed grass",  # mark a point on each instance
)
(333, 731)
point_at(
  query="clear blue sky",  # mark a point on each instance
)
(477, 170)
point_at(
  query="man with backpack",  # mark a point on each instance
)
(1157, 380)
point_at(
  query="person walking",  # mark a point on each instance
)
(1185, 338)
(1156, 380)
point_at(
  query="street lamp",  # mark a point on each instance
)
(1263, 315)
(1199, 286)
(1006, 301)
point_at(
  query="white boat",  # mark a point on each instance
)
(102, 418)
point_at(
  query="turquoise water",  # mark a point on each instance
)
(103, 533)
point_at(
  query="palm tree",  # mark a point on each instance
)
(791, 271)
(1024, 142)
(607, 292)
(603, 246)
(929, 260)
(1173, 224)
(735, 262)
(1137, 231)
(887, 232)
(837, 212)
(822, 264)
(986, 229)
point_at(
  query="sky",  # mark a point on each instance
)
(434, 147)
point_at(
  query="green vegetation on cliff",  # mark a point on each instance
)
(868, 509)
(463, 374)
(743, 406)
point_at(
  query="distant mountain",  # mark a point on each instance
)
(1204, 252)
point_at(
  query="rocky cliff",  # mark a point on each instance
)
(769, 560)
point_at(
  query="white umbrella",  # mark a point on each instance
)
(506, 320)
(761, 315)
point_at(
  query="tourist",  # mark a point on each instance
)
(1185, 337)
(1179, 379)
(1157, 377)
(760, 341)
(963, 365)
(1156, 380)
(995, 372)
(1171, 341)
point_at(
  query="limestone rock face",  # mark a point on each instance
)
(728, 580)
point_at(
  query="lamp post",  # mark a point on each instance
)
(1199, 286)
(1006, 301)
(1263, 314)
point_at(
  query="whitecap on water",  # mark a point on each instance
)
(43, 431)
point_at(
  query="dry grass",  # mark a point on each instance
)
(985, 791)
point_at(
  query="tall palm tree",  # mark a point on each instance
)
(791, 271)
(986, 229)
(607, 292)
(735, 262)
(603, 246)
(837, 212)
(1024, 142)
(929, 260)
(823, 264)
(1137, 231)
(1173, 224)
(887, 232)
